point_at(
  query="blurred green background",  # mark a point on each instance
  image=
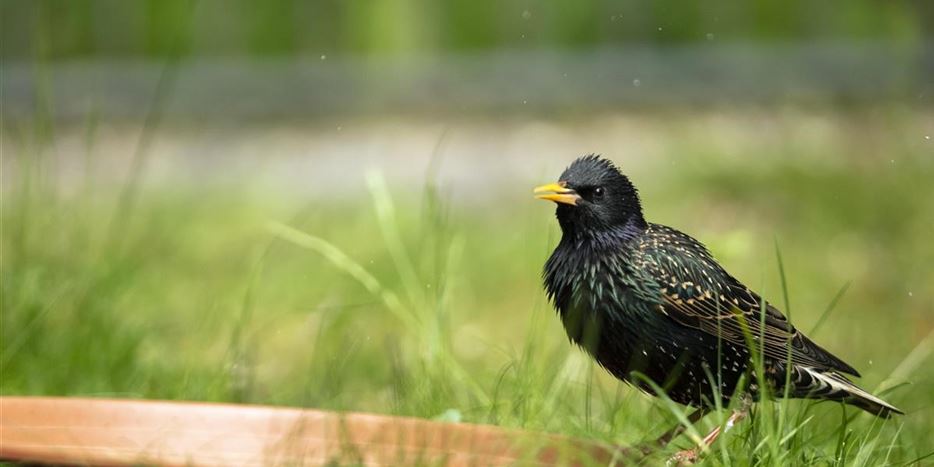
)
(113, 28)
(328, 203)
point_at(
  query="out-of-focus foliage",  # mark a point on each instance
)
(116, 28)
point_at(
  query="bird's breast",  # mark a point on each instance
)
(594, 301)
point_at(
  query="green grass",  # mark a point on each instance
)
(406, 304)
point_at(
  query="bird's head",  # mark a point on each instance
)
(593, 196)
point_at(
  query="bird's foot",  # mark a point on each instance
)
(689, 456)
(685, 457)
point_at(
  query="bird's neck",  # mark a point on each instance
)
(611, 237)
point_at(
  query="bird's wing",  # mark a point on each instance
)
(696, 291)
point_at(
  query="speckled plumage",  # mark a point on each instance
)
(646, 299)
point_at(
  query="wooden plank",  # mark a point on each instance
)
(132, 432)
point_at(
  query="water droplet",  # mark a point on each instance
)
(324, 57)
(525, 101)
(892, 161)
(526, 14)
(636, 82)
(710, 36)
(927, 137)
(523, 36)
(659, 28)
(910, 294)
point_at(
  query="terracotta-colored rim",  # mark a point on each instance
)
(130, 432)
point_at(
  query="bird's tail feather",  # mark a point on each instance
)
(814, 384)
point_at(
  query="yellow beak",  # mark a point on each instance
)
(557, 192)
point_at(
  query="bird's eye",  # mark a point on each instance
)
(598, 192)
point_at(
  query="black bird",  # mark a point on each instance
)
(646, 299)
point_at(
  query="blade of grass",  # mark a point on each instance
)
(788, 361)
(388, 225)
(343, 262)
(830, 307)
(168, 77)
(912, 361)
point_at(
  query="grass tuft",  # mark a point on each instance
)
(417, 305)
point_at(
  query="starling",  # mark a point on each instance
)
(654, 308)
